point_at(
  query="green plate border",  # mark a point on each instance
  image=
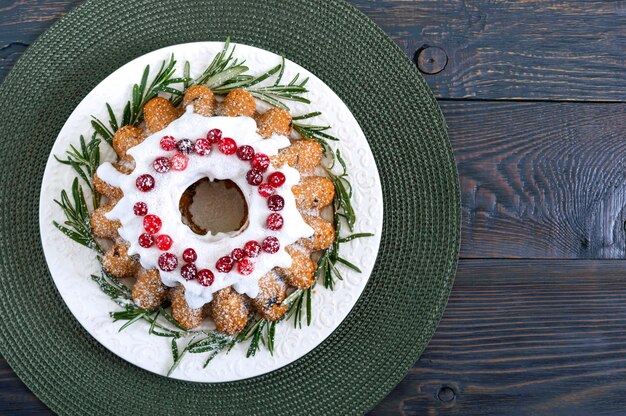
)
(398, 312)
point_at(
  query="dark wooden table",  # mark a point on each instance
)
(534, 93)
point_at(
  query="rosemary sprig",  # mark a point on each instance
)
(76, 224)
(222, 69)
(313, 132)
(209, 342)
(85, 161)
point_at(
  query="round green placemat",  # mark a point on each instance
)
(399, 310)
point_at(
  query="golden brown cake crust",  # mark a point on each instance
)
(159, 113)
(149, 292)
(184, 315)
(117, 261)
(274, 121)
(101, 226)
(202, 98)
(229, 311)
(238, 103)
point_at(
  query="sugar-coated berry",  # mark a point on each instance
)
(140, 209)
(146, 240)
(168, 262)
(152, 223)
(260, 162)
(224, 264)
(185, 146)
(275, 203)
(227, 146)
(276, 179)
(179, 162)
(202, 147)
(161, 164)
(252, 248)
(214, 136)
(254, 177)
(238, 254)
(245, 267)
(271, 245)
(266, 190)
(245, 152)
(205, 277)
(188, 271)
(274, 221)
(189, 255)
(168, 143)
(145, 183)
(164, 242)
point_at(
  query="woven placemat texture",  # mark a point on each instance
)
(398, 312)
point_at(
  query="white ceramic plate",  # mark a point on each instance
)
(72, 264)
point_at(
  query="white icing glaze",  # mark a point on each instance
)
(163, 201)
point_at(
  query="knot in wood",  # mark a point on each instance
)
(431, 59)
(446, 394)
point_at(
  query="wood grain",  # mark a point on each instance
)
(543, 49)
(540, 180)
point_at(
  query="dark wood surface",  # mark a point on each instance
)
(534, 93)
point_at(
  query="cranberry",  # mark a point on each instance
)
(189, 255)
(179, 161)
(140, 209)
(245, 152)
(185, 146)
(254, 177)
(237, 254)
(260, 162)
(161, 164)
(146, 240)
(252, 248)
(275, 203)
(202, 147)
(214, 136)
(274, 221)
(145, 183)
(152, 223)
(276, 179)
(265, 190)
(188, 271)
(167, 262)
(168, 143)
(271, 245)
(164, 242)
(224, 264)
(245, 267)
(205, 277)
(227, 146)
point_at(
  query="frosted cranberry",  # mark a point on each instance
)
(185, 146)
(179, 162)
(167, 262)
(168, 143)
(202, 147)
(145, 183)
(265, 190)
(152, 223)
(260, 162)
(224, 264)
(252, 248)
(254, 177)
(189, 255)
(271, 245)
(276, 179)
(205, 277)
(274, 222)
(245, 267)
(161, 164)
(275, 203)
(245, 152)
(227, 146)
(146, 240)
(214, 136)
(140, 209)
(188, 271)
(237, 254)
(164, 242)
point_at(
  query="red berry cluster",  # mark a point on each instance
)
(152, 225)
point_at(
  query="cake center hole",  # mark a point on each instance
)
(213, 207)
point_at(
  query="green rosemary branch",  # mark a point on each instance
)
(222, 69)
(313, 132)
(209, 342)
(85, 161)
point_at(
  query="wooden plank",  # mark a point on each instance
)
(540, 180)
(541, 49)
(524, 337)
(15, 398)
